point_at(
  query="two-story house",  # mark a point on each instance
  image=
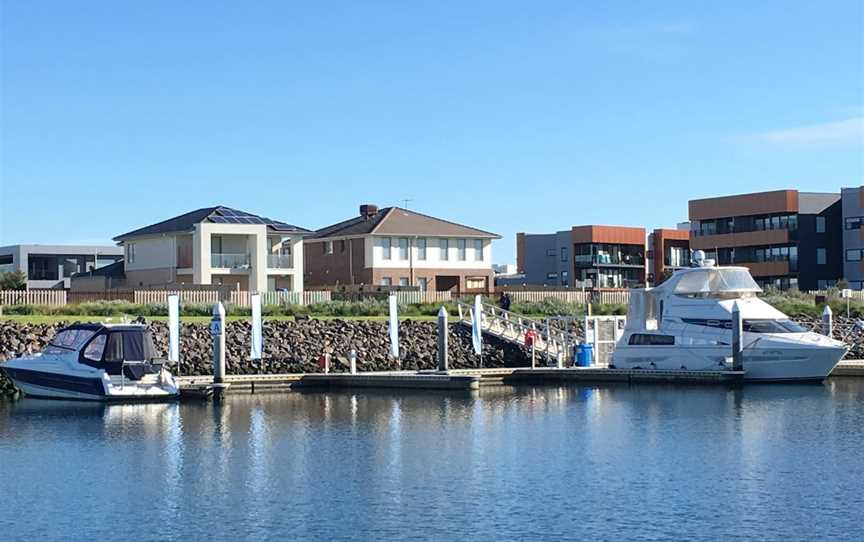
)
(216, 245)
(398, 247)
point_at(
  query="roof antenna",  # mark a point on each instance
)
(405, 202)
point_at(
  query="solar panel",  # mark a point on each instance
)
(226, 212)
(218, 219)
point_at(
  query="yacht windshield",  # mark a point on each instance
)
(752, 326)
(69, 340)
(717, 282)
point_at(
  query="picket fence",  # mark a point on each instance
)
(242, 298)
(53, 298)
(575, 297)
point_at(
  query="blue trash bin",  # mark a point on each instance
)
(584, 355)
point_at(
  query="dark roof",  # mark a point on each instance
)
(399, 221)
(218, 215)
(114, 270)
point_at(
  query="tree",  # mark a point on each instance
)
(13, 280)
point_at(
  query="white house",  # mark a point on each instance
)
(219, 246)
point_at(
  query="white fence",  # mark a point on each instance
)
(33, 297)
(202, 297)
(282, 298)
(577, 297)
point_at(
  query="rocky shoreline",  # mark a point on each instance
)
(295, 346)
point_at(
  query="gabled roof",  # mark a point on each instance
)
(398, 221)
(217, 215)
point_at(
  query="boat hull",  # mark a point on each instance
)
(760, 365)
(49, 385)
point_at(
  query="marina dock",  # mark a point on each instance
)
(470, 379)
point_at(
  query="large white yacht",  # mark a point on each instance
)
(686, 324)
(99, 362)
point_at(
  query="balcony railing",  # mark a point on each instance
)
(229, 261)
(280, 261)
(607, 259)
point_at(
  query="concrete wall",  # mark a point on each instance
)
(543, 256)
(21, 255)
(853, 207)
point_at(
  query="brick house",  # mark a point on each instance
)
(398, 247)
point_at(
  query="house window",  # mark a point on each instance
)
(820, 224)
(130, 253)
(403, 281)
(403, 248)
(563, 254)
(550, 252)
(328, 247)
(824, 284)
(423, 284)
(445, 249)
(460, 248)
(386, 281)
(853, 255)
(478, 250)
(385, 248)
(342, 245)
(648, 339)
(821, 256)
(421, 248)
(552, 275)
(475, 283)
(853, 223)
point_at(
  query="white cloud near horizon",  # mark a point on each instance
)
(841, 132)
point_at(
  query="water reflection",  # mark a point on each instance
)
(379, 464)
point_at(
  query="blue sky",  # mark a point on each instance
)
(510, 116)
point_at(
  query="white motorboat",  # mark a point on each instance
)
(97, 362)
(686, 324)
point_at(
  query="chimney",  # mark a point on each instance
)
(367, 210)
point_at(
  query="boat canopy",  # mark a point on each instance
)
(644, 310)
(712, 281)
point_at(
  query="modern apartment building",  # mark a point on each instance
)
(607, 256)
(668, 250)
(216, 245)
(853, 236)
(788, 239)
(398, 247)
(51, 266)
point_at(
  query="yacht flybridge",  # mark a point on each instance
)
(686, 324)
(100, 362)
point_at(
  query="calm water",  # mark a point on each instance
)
(651, 462)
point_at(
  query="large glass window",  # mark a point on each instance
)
(386, 248)
(853, 255)
(421, 248)
(460, 248)
(478, 250)
(403, 248)
(445, 249)
(820, 224)
(43, 267)
(853, 223)
(821, 256)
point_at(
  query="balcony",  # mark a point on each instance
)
(229, 261)
(280, 261)
(607, 259)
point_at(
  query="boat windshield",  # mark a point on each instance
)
(69, 340)
(717, 283)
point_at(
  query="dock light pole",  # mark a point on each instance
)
(737, 339)
(217, 330)
(352, 360)
(828, 322)
(442, 339)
